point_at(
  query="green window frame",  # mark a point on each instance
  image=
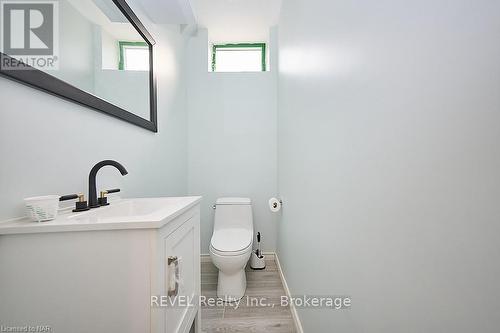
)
(261, 46)
(122, 45)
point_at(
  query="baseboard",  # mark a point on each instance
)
(293, 310)
(205, 257)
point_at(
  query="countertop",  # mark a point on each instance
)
(137, 213)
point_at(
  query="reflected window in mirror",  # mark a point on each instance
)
(134, 56)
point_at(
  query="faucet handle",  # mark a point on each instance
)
(81, 204)
(103, 200)
(68, 197)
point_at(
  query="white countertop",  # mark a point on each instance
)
(138, 213)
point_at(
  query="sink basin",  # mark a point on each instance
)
(138, 213)
(132, 210)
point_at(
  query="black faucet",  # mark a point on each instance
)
(93, 173)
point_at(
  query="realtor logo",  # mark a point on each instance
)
(29, 34)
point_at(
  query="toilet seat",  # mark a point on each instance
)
(231, 241)
(232, 253)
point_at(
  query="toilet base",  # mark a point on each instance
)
(231, 287)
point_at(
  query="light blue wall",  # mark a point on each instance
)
(48, 145)
(231, 139)
(389, 162)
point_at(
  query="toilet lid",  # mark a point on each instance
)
(231, 239)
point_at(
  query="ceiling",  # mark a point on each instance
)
(168, 11)
(108, 17)
(236, 20)
(225, 20)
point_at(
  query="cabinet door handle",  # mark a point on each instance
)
(173, 275)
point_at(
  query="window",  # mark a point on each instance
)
(134, 56)
(244, 57)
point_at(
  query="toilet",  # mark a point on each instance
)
(231, 245)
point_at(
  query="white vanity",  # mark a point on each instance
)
(97, 271)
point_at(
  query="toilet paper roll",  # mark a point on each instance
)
(274, 205)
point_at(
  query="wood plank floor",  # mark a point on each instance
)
(249, 317)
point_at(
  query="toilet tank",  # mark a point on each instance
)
(233, 213)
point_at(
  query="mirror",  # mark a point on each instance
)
(100, 55)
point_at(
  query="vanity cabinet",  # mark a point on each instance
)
(103, 277)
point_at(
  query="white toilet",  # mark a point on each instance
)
(231, 245)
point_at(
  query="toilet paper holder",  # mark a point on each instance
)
(275, 204)
(280, 201)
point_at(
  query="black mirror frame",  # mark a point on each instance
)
(48, 83)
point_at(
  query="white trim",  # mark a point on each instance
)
(204, 257)
(295, 315)
(271, 253)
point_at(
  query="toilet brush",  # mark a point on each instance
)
(257, 260)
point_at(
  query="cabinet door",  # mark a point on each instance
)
(182, 261)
